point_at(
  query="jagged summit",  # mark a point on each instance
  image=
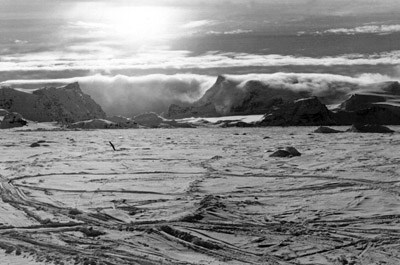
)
(74, 85)
(63, 104)
(230, 97)
(220, 79)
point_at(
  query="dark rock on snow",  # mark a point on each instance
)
(324, 129)
(123, 122)
(12, 120)
(375, 114)
(93, 124)
(153, 120)
(35, 145)
(287, 152)
(307, 111)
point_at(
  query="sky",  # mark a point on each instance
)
(54, 39)
(201, 36)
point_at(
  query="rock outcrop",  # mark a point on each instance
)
(370, 128)
(359, 101)
(374, 104)
(303, 112)
(12, 120)
(287, 152)
(123, 122)
(66, 104)
(324, 129)
(377, 114)
(93, 124)
(116, 122)
(152, 120)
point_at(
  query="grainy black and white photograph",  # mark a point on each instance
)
(202, 132)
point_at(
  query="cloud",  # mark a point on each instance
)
(131, 95)
(366, 29)
(20, 41)
(88, 25)
(79, 58)
(331, 88)
(199, 24)
(230, 32)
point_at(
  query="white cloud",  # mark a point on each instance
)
(199, 24)
(20, 41)
(322, 85)
(231, 32)
(371, 29)
(89, 25)
(105, 59)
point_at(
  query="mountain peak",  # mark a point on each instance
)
(72, 86)
(220, 79)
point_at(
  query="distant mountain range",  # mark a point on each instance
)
(376, 103)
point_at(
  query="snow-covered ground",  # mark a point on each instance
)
(199, 196)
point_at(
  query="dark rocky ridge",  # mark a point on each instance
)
(375, 104)
(302, 112)
(66, 104)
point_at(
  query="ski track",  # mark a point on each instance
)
(199, 196)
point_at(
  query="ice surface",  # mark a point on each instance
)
(199, 196)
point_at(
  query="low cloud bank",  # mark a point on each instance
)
(131, 95)
(329, 86)
(366, 29)
(77, 58)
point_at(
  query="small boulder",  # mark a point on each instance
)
(293, 151)
(35, 145)
(287, 152)
(280, 153)
(324, 129)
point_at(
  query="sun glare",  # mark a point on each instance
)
(139, 23)
(131, 22)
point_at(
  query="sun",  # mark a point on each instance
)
(139, 22)
(127, 20)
